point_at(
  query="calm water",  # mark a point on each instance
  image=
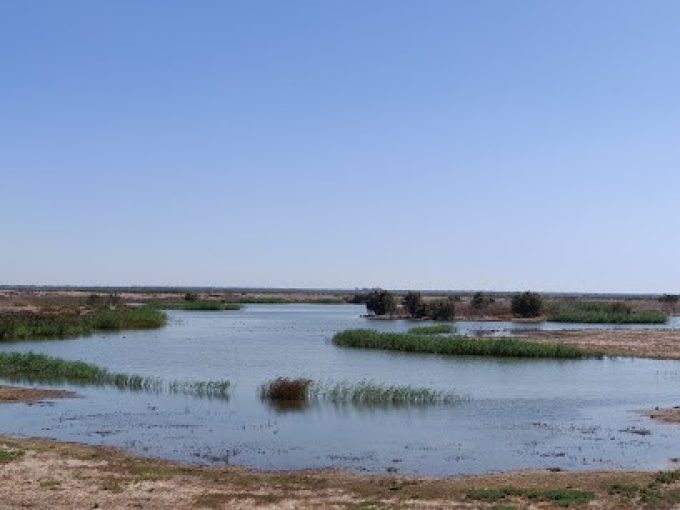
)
(568, 414)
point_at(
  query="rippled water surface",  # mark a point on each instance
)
(534, 413)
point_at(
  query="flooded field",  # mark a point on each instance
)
(576, 414)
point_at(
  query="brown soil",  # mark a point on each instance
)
(671, 415)
(48, 474)
(660, 344)
(14, 394)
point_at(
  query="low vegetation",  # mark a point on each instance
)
(32, 367)
(284, 390)
(432, 330)
(603, 313)
(558, 497)
(73, 322)
(409, 342)
(196, 305)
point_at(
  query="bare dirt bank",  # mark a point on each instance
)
(659, 344)
(42, 474)
(669, 415)
(15, 394)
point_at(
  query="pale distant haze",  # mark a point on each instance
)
(501, 145)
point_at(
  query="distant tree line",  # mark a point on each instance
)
(382, 302)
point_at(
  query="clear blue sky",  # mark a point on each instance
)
(438, 144)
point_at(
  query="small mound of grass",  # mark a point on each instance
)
(459, 346)
(432, 330)
(286, 389)
(32, 367)
(29, 325)
(10, 455)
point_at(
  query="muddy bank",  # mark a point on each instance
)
(668, 415)
(42, 473)
(15, 394)
(651, 343)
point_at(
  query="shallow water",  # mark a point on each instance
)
(522, 413)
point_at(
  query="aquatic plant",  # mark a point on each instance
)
(602, 313)
(371, 393)
(69, 323)
(431, 330)
(449, 345)
(33, 367)
(284, 388)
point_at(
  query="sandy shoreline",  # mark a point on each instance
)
(42, 473)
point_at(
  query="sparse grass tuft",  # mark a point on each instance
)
(10, 455)
(432, 330)
(461, 346)
(32, 367)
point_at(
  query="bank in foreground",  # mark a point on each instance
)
(48, 474)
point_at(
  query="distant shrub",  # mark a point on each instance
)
(413, 302)
(190, 296)
(527, 304)
(283, 388)
(441, 309)
(381, 302)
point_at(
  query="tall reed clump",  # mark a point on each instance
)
(32, 367)
(432, 330)
(462, 346)
(286, 389)
(25, 325)
(603, 313)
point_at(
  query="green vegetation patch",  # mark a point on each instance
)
(460, 346)
(208, 306)
(10, 455)
(32, 367)
(29, 325)
(431, 330)
(603, 313)
(559, 497)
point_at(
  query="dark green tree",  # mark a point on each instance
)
(413, 302)
(527, 304)
(381, 302)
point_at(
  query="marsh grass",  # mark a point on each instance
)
(208, 306)
(32, 367)
(451, 345)
(602, 313)
(369, 393)
(69, 323)
(298, 393)
(432, 330)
